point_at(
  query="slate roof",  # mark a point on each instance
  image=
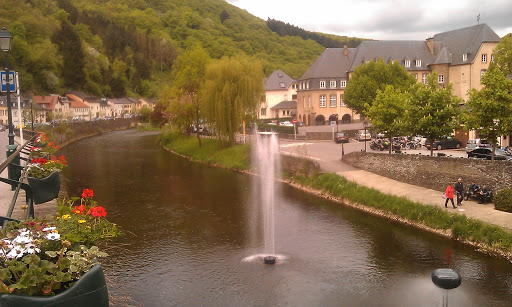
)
(332, 63)
(465, 40)
(124, 100)
(285, 105)
(393, 50)
(278, 81)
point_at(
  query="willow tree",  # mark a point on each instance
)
(231, 93)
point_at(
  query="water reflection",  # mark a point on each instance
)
(191, 228)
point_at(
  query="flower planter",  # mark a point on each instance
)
(45, 189)
(90, 290)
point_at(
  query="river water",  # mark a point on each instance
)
(190, 237)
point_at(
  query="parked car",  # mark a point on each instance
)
(2, 128)
(362, 135)
(475, 143)
(300, 124)
(286, 123)
(486, 153)
(341, 137)
(444, 143)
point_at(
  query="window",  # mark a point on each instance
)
(301, 86)
(343, 83)
(407, 63)
(484, 58)
(424, 78)
(281, 84)
(342, 104)
(263, 111)
(418, 63)
(465, 57)
(307, 85)
(309, 101)
(323, 101)
(332, 101)
(284, 112)
(492, 57)
(332, 84)
(482, 72)
(440, 79)
(322, 84)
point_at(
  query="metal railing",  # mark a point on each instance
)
(13, 164)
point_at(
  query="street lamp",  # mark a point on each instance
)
(5, 46)
(365, 125)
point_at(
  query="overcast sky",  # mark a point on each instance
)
(384, 19)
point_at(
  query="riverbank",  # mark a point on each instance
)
(486, 237)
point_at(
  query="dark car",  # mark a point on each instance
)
(2, 128)
(341, 137)
(486, 153)
(444, 143)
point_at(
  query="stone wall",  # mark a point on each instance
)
(299, 166)
(434, 172)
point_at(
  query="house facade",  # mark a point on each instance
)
(279, 87)
(459, 57)
(54, 106)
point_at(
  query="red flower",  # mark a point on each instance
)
(87, 193)
(79, 209)
(39, 160)
(97, 211)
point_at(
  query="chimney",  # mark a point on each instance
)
(345, 50)
(430, 44)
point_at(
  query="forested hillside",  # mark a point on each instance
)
(114, 48)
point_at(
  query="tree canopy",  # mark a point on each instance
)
(388, 113)
(232, 92)
(434, 112)
(489, 111)
(370, 77)
(503, 54)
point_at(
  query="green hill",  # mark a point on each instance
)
(115, 48)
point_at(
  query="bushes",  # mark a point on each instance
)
(503, 200)
(276, 128)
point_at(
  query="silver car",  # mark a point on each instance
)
(476, 143)
(361, 135)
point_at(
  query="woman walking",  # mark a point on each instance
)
(449, 196)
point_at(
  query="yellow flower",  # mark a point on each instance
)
(58, 217)
(81, 221)
(66, 216)
(88, 227)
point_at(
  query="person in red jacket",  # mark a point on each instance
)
(449, 196)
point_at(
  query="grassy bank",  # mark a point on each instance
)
(459, 226)
(211, 152)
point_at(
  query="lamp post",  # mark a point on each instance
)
(365, 125)
(5, 45)
(336, 122)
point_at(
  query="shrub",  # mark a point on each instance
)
(276, 128)
(503, 200)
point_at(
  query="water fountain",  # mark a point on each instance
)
(266, 159)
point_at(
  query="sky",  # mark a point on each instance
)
(384, 19)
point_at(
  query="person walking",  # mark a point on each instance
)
(459, 188)
(449, 196)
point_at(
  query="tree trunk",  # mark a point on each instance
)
(197, 125)
(431, 147)
(390, 144)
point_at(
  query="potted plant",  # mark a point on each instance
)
(43, 178)
(43, 264)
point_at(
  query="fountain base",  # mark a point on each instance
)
(269, 259)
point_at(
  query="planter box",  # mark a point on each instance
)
(45, 189)
(90, 290)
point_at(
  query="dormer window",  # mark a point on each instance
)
(418, 63)
(343, 84)
(407, 63)
(332, 84)
(281, 84)
(322, 84)
(465, 57)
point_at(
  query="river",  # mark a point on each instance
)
(190, 228)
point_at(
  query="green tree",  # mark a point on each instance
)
(145, 113)
(490, 109)
(70, 46)
(388, 113)
(231, 93)
(370, 77)
(433, 111)
(184, 98)
(503, 54)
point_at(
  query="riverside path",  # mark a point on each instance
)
(328, 155)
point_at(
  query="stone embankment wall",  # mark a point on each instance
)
(299, 166)
(434, 172)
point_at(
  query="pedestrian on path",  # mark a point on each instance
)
(449, 196)
(459, 188)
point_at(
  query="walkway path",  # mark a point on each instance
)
(472, 209)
